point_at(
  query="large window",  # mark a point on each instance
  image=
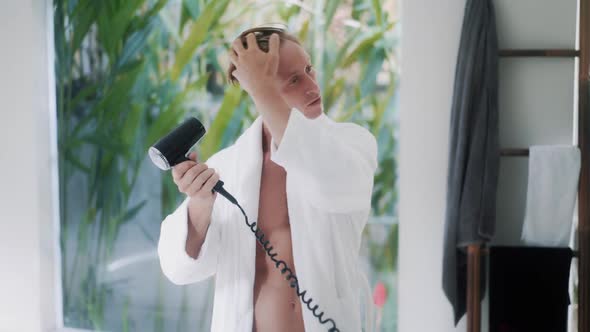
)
(127, 72)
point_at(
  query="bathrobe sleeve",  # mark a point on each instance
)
(176, 264)
(333, 162)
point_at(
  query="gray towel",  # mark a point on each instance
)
(473, 149)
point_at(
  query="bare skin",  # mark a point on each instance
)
(276, 305)
(277, 81)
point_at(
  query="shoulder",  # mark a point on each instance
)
(221, 159)
(351, 132)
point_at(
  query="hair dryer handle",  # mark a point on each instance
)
(218, 186)
(182, 158)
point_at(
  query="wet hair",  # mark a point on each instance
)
(262, 34)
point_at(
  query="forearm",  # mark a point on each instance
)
(335, 162)
(273, 109)
(198, 225)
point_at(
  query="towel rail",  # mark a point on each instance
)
(556, 53)
(475, 251)
(514, 152)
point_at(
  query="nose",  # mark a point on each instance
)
(312, 93)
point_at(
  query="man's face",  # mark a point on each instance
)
(296, 80)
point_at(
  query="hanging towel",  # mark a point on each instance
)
(551, 195)
(474, 155)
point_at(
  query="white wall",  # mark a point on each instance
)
(27, 238)
(535, 108)
(429, 42)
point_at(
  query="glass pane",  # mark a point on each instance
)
(128, 72)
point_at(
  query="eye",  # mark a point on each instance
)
(309, 69)
(293, 80)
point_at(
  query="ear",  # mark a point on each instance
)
(235, 74)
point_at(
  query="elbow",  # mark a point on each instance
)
(171, 276)
(174, 273)
(181, 269)
(346, 190)
(175, 278)
(168, 267)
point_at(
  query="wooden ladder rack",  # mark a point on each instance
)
(475, 251)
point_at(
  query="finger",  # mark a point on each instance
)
(273, 50)
(193, 156)
(185, 182)
(200, 180)
(274, 44)
(179, 170)
(237, 46)
(251, 41)
(208, 186)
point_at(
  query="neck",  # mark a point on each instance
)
(266, 137)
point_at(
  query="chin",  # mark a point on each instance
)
(313, 112)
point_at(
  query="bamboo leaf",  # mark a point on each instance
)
(232, 131)
(378, 12)
(380, 109)
(304, 31)
(134, 44)
(165, 122)
(153, 13)
(337, 61)
(223, 4)
(371, 70)
(131, 125)
(330, 10)
(197, 35)
(147, 235)
(130, 213)
(82, 95)
(77, 162)
(171, 116)
(286, 12)
(364, 46)
(213, 139)
(117, 100)
(190, 10)
(120, 20)
(106, 142)
(333, 92)
(358, 7)
(83, 17)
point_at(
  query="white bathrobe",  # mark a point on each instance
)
(330, 168)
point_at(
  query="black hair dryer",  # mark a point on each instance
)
(172, 149)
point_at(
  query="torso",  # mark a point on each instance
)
(276, 305)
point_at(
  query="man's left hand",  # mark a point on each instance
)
(255, 69)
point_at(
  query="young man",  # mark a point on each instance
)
(307, 182)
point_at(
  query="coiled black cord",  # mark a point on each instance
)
(295, 283)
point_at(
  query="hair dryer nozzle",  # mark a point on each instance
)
(171, 149)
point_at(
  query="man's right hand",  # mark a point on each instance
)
(196, 180)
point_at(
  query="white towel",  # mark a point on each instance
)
(551, 194)
(572, 310)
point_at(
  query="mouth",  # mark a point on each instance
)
(316, 101)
